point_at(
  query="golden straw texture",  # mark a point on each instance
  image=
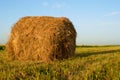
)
(42, 38)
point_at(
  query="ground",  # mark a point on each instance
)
(89, 63)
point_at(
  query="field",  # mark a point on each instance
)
(89, 63)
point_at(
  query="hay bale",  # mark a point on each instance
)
(42, 38)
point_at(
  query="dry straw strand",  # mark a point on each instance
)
(42, 38)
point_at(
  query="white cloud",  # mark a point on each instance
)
(113, 13)
(56, 5)
(45, 4)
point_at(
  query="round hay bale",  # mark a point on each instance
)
(42, 38)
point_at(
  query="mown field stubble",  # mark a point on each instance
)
(89, 63)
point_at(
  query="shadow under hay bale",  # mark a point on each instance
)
(42, 39)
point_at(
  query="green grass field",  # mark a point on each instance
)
(89, 63)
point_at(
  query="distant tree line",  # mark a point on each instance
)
(2, 47)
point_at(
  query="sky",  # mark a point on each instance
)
(97, 22)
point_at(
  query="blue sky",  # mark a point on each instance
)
(97, 22)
